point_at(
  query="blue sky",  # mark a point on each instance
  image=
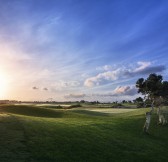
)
(80, 49)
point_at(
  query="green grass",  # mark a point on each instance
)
(36, 134)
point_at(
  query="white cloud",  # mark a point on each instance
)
(123, 73)
(107, 76)
(128, 92)
(65, 84)
(104, 68)
(125, 90)
(120, 91)
(142, 66)
(57, 86)
(75, 96)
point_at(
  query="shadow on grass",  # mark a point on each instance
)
(31, 111)
(12, 140)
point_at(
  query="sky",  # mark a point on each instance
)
(69, 50)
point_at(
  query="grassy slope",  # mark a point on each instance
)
(48, 135)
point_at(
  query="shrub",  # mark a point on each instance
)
(75, 106)
(58, 107)
(140, 105)
(117, 105)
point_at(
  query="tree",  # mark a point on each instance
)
(130, 101)
(124, 101)
(139, 99)
(164, 90)
(82, 101)
(154, 89)
(139, 102)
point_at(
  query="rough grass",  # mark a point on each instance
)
(39, 134)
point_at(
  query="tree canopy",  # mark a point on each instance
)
(153, 87)
(156, 91)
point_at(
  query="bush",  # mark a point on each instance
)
(58, 107)
(54, 107)
(148, 105)
(140, 105)
(117, 105)
(75, 106)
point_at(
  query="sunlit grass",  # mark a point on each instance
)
(112, 111)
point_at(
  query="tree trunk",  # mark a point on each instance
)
(152, 106)
(147, 122)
